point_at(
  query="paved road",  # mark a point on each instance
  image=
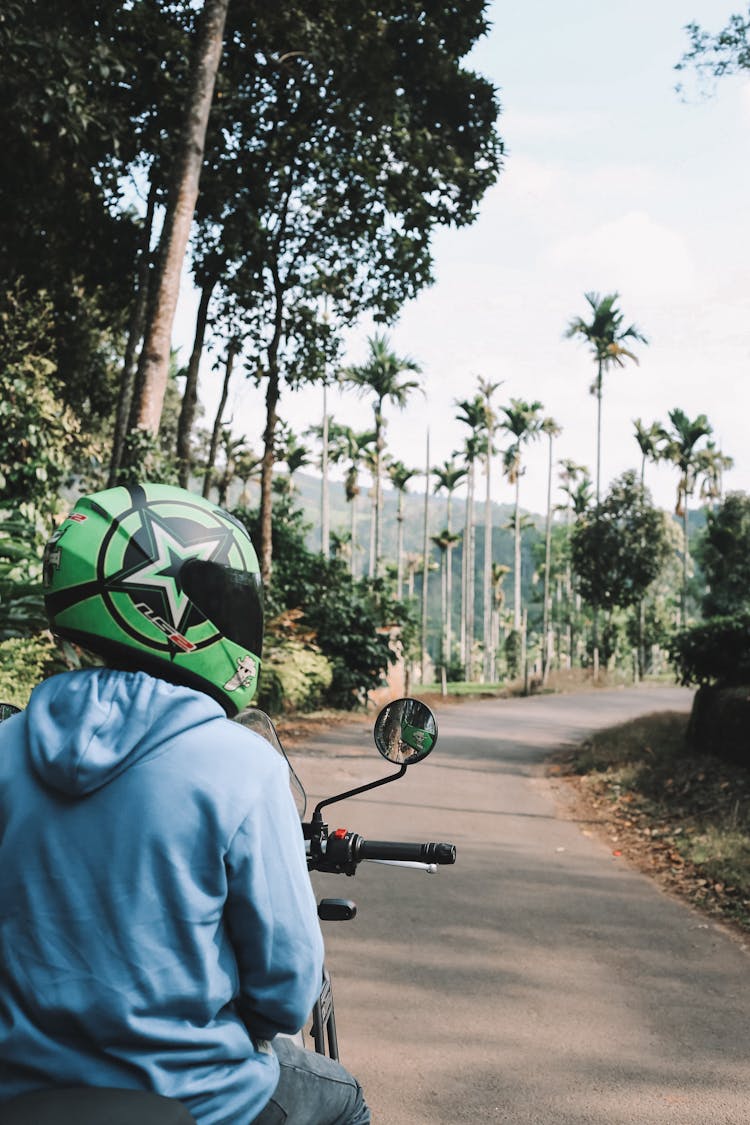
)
(540, 980)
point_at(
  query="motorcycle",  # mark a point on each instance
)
(405, 733)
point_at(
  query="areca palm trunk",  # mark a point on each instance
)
(400, 546)
(353, 535)
(487, 574)
(517, 555)
(325, 520)
(547, 562)
(426, 559)
(685, 561)
(468, 591)
(449, 582)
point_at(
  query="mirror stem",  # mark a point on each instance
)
(360, 789)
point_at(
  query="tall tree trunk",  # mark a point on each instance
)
(135, 335)
(325, 521)
(353, 536)
(685, 563)
(373, 528)
(378, 501)
(190, 393)
(444, 609)
(400, 546)
(232, 351)
(595, 626)
(487, 573)
(469, 583)
(449, 583)
(547, 562)
(180, 211)
(273, 394)
(425, 559)
(598, 430)
(517, 554)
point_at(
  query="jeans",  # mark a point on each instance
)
(313, 1090)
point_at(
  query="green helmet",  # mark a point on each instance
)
(162, 580)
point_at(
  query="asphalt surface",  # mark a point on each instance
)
(540, 980)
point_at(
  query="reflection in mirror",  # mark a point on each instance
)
(8, 709)
(405, 731)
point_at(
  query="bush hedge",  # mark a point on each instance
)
(715, 652)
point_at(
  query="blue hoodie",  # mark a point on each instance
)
(157, 921)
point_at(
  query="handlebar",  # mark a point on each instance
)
(418, 853)
(341, 851)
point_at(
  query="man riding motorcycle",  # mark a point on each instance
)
(157, 924)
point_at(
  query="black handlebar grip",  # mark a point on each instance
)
(409, 853)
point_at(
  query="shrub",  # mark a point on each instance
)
(352, 621)
(24, 661)
(715, 652)
(294, 676)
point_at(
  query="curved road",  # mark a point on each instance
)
(540, 981)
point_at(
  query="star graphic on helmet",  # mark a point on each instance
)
(164, 550)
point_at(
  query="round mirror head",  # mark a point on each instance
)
(405, 731)
(8, 709)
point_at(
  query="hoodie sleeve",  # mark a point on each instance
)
(271, 915)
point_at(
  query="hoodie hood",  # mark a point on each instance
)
(84, 728)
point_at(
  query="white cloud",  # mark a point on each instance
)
(632, 253)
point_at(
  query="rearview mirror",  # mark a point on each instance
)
(405, 731)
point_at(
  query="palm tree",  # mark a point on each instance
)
(523, 422)
(607, 338)
(499, 571)
(332, 442)
(472, 415)
(381, 375)
(713, 465)
(445, 542)
(370, 465)
(400, 477)
(549, 427)
(649, 442)
(680, 448)
(231, 447)
(247, 466)
(352, 448)
(449, 476)
(575, 482)
(292, 452)
(487, 389)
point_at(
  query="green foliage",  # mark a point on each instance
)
(40, 439)
(350, 620)
(24, 661)
(715, 652)
(513, 646)
(295, 676)
(719, 54)
(619, 548)
(145, 459)
(724, 553)
(21, 601)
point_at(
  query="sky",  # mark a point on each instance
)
(612, 182)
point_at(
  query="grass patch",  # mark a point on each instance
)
(681, 816)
